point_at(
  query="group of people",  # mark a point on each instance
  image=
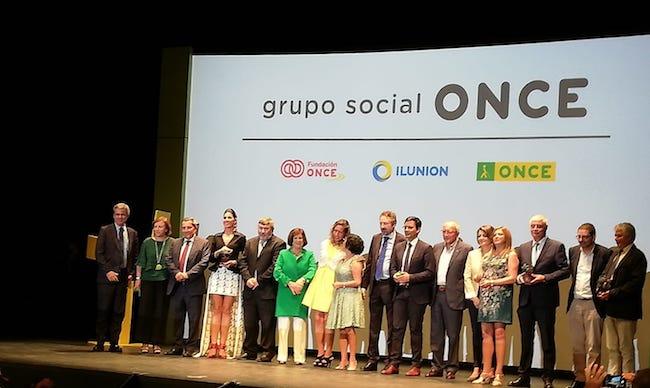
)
(259, 283)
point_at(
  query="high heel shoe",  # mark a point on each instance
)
(476, 373)
(325, 362)
(484, 379)
(222, 351)
(498, 380)
(318, 359)
(341, 366)
(352, 365)
(212, 351)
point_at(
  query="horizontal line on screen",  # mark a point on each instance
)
(470, 138)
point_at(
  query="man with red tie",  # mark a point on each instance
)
(187, 260)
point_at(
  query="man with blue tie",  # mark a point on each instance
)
(377, 284)
(539, 297)
(117, 247)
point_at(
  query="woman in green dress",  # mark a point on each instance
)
(294, 268)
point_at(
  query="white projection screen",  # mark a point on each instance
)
(482, 135)
(589, 100)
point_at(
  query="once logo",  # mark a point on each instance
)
(516, 171)
(382, 170)
(292, 168)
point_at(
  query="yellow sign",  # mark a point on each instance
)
(516, 171)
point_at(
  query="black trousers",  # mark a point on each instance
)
(183, 303)
(152, 312)
(406, 310)
(111, 301)
(380, 298)
(545, 318)
(259, 311)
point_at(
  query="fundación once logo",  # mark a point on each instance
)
(382, 170)
(516, 171)
(296, 168)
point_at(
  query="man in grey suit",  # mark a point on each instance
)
(256, 265)
(539, 296)
(448, 299)
(380, 287)
(187, 260)
(117, 247)
(587, 260)
(411, 268)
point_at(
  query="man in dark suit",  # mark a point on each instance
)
(585, 312)
(377, 283)
(256, 265)
(625, 276)
(539, 296)
(186, 262)
(117, 247)
(448, 299)
(411, 267)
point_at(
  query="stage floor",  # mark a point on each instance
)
(247, 373)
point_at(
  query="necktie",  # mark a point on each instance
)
(181, 260)
(379, 271)
(406, 262)
(535, 253)
(120, 238)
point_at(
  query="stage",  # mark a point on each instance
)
(72, 364)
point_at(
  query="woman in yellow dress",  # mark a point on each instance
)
(320, 292)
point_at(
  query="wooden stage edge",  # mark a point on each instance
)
(42, 357)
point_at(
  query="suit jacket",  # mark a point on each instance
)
(627, 285)
(455, 281)
(421, 269)
(601, 257)
(551, 263)
(237, 244)
(197, 261)
(108, 251)
(368, 277)
(249, 262)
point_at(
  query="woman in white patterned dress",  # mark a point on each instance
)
(224, 288)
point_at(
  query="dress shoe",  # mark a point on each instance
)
(371, 366)
(390, 369)
(521, 381)
(266, 357)
(190, 353)
(548, 382)
(577, 384)
(414, 371)
(98, 348)
(434, 372)
(174, 352)
(248, 356)
(114, 349)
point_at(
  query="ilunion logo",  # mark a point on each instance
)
(385, 167)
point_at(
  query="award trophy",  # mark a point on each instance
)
(528, 273)
(603, 284)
